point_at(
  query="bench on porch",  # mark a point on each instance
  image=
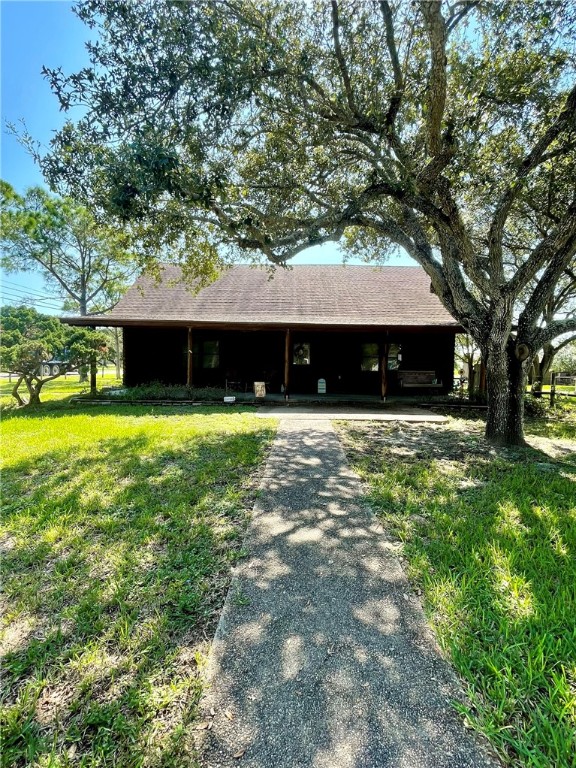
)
(419, 380)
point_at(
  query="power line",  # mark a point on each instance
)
(14, 297)
(29, 291)
(24, 292)
(51, 306)
(18, 292)
(47, 303)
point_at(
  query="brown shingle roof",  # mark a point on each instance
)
(304, 295)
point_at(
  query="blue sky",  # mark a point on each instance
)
(35, 33)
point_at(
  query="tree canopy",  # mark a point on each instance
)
(445, 128)
(88, 264)
(29, 339)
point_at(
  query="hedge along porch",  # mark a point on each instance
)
(364, 330)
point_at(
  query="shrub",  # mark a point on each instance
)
(158, 391)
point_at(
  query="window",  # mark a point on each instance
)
(207, 353)
(301, 354)
(394, 357)
(370, 357)
(211, 354)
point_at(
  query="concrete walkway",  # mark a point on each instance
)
(322, 658)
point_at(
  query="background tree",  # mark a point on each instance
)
(566, 359)
(468, 354)
(29, 339)
(562, 304)
(267, 127)
(88, 264)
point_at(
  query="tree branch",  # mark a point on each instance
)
(543, 292)
(564, 343)
(436, 91)
(561, 240)
(457, 13)
(396, 100)
(340, 58)
(553, 330)
(532, 159)
(391, 45)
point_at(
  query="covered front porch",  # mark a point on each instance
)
(331, 364)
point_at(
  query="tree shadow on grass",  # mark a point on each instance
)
(116, 567)
(490, 537)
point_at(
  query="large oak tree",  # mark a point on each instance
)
(266, 127)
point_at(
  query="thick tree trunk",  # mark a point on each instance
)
(34, 398)
(534, 380)
(542, 368)
(506, 380)
(15, 393)
(33, 391)
(546, 363)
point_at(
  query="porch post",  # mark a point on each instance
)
(482, 382)
(93, 370)
(384, 371)
(189, 360)
(287, 362)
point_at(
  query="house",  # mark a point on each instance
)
(360, 329)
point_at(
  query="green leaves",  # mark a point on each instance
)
(29, 339)
(248, 129)
(182, 91)
(87, 262)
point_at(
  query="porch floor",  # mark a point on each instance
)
(370, 401)
(342, 412)
(345, 407)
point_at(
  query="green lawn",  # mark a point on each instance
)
(121, 524)
(566, 388)
(489, 540)
(57, 389)
(120, 527)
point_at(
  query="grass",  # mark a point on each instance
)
(489, 538)
(119, 530)
(558, 421)
(57, 389)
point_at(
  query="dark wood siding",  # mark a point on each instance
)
(155, 354)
